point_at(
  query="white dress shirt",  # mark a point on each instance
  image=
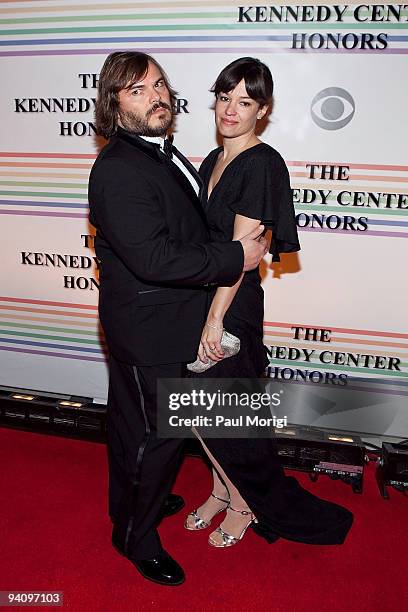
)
(160, 141)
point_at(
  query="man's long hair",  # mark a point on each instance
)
(120, 71)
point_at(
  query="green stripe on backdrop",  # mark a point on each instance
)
(138, 17)
(210, 26)
(47, 337)
(44, 184)
(68, 330)
(348, 208)
(45, 194)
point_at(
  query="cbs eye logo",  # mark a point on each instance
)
(332, 108)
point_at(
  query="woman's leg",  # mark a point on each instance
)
(234, 522)
(214, 504)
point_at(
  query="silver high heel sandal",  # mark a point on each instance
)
(200, 523)
(227, 538)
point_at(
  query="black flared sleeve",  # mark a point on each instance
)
(264, 192)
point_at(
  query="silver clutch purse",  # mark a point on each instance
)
(230, 344)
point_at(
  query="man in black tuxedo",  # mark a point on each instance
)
(155, 263)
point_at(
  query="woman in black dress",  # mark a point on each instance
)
(245, 182)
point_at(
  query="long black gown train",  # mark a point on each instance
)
(256, 185)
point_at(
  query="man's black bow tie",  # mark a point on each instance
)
(168, 147)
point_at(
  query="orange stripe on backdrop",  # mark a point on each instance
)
(46, 175)
(350, 165)
(343, 330)
(338, 339)
(47, 303)
(43, 165)
(64, 321)
(61, 156)
(49, 155)
(337, 186)
(56, 312)
(359, 177)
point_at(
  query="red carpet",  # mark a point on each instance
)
(56, 536)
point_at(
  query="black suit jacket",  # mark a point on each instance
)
(155, 258)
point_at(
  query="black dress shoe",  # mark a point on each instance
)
(162, 569)
(172, 504)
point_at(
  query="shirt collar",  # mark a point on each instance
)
(141, 142)
(158, 140)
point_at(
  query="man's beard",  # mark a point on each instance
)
(140, 125)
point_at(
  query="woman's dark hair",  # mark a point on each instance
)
(257, 77)
(121, 70)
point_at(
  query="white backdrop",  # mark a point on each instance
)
(351, 282)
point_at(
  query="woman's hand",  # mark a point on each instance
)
(210, 346)
(210, 343)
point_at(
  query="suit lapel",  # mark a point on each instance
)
(185, 183)
(148, 148)
(190, 167)
(153, 151)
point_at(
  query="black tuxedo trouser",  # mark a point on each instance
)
(142, 467)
